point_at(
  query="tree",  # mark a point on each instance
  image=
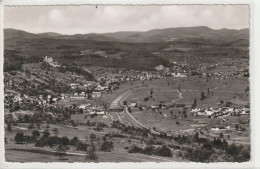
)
(151, 92)
(202, 97)
(125, 102)
(81, 146)
(160, 106)
(129, 109)
(35, 133)
(6, 142)
(161, 114)
(172, 114)
(228, 136)
(179, 88)
(92, 137)
(19, 138)
(9, 127)
(80, 111)
(73, 123)
(107, 146)
(175, 116)
(31, 126)
(38, 125)
(93, 147)
(61, 151)
(237, 127)
(74, 141)
(164, 151)
(46, 133)
(196, 136)
(195, 103)
(92, 154)
(55, 130)
(65, 140)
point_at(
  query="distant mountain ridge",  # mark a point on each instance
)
(155, 35)
(129, 50)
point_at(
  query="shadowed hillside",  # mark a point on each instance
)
(130, 50)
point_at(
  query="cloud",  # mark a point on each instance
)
(55, 15)
(86, 19)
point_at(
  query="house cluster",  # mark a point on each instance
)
(221, 111)
(92, 109)
(90, 89)
(162, 105)
(220, 128)
(40, 100)
(50, 61)
(96, 110)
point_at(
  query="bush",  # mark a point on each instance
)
(74, 141)
(92, 155)
(61, 151)
(9, 127)
(92, 136)
(149, 150)
(135, 149)
(65, 140)
(199, 155)
(35, 133)
(46, 133)
(19, 138)
(31, 126)
(107, 146)
(164, 151)
(55, 130)
(81, 146)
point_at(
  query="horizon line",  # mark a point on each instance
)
(124, 31)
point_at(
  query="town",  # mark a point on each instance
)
(127, 83)
(72, 100)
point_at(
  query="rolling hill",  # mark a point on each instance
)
(184, 33)
(130, 50)
(156, 35)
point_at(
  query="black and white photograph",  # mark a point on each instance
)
(127, 83)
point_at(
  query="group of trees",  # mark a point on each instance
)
(77, 70)
(206, 149)
(130, 129)
(20, 138)
(203, 95)
(151, 150)
(107, 146)
(62, 144)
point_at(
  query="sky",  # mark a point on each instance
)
(89, 19)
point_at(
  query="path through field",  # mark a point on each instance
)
(126, 155)
(179, 95)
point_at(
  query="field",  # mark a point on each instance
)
(30, 153)
(22, 156)
(169, 120)
(166, 90)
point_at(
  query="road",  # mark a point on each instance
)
(116, 103)
(125, 117)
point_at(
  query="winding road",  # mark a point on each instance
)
(125, 117)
